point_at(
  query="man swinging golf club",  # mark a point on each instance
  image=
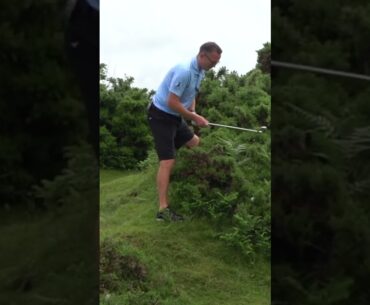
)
(173, 103)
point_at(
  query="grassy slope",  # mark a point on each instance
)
(187, 265)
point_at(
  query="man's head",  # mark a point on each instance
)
(209, 55)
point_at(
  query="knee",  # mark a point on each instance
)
(193, 142)
(167, 164)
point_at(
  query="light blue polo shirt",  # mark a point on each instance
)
(182, 80)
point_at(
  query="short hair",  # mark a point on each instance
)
(210, 47)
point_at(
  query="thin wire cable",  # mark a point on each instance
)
(319, 70)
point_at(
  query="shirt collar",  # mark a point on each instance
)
(195, 67)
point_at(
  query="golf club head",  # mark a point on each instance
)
(263, 128)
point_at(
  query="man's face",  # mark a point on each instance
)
(210, 59)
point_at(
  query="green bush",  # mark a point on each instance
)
(120, 272)
(124, 132)
(205, 182)
(217, 182)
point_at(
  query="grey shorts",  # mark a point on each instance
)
(170, 132)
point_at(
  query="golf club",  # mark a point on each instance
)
(260, 130)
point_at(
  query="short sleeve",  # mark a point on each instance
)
(179, 82)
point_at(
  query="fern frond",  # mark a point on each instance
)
(357, 142)
(320, 122)
(361, 186)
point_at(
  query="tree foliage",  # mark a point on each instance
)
(264, 58)
(124, 133)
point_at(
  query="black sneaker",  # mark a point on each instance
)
(168, 215)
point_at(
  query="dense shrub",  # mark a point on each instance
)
(124, 133)
(228, 183)
(117, 270)
(206, 182)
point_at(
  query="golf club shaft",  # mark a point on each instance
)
(233, 127)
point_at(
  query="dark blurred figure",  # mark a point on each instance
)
(82, 40)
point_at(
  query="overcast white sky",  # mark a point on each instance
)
(145, 38)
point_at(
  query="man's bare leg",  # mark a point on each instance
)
(164, 173)
(193, 142)
(163, 181)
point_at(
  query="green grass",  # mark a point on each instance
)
(186, 263)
